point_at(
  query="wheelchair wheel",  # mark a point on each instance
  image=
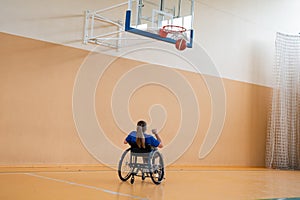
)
(124, 168)
(132, 180)
(143, 176)
(156, 165)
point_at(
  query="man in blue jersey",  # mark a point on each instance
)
(142, 140)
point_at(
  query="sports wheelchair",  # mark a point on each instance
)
(144, 163)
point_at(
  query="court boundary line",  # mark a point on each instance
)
(85, 186)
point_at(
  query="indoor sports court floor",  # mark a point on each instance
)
(180, 183)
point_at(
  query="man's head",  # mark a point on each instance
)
(143, 124)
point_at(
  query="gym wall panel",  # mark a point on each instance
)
(36, 123)
(36, 117)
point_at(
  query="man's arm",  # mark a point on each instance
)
(126, 139)
(154, 131)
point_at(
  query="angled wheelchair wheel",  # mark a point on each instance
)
(125, 169)
(156, 165)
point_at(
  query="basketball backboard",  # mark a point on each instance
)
(149, 17)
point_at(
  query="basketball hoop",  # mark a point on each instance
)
(172, 29)
(177, 33)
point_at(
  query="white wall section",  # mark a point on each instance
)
(237, 35)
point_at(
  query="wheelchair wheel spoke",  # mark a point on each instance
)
(125, 169)
(157, 168)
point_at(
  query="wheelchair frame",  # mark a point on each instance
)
(143, 163)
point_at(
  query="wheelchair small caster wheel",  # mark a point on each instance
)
(143, 176)
(132, 180)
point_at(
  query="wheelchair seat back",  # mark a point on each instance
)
(136, 149)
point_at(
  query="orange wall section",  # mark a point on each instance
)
(36, 124)
(36, 119)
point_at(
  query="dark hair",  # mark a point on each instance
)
(141, 123)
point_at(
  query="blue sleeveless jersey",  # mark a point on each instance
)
(149, 139)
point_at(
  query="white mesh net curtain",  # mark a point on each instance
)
(283, 137)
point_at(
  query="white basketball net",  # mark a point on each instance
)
(176, 32)
(283, 139)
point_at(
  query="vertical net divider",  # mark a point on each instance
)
(283, 136)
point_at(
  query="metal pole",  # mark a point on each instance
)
(179, 9)
(106, 34)
(192, 9)
(129, 4)
(99, 17)
(139, 10)
(86, 27)
(160, 17)
(112, 7)
(92, 25)
(162, 5)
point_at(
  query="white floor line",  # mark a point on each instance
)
(86, 186)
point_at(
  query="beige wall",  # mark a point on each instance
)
(36, 124)
(36, 119)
